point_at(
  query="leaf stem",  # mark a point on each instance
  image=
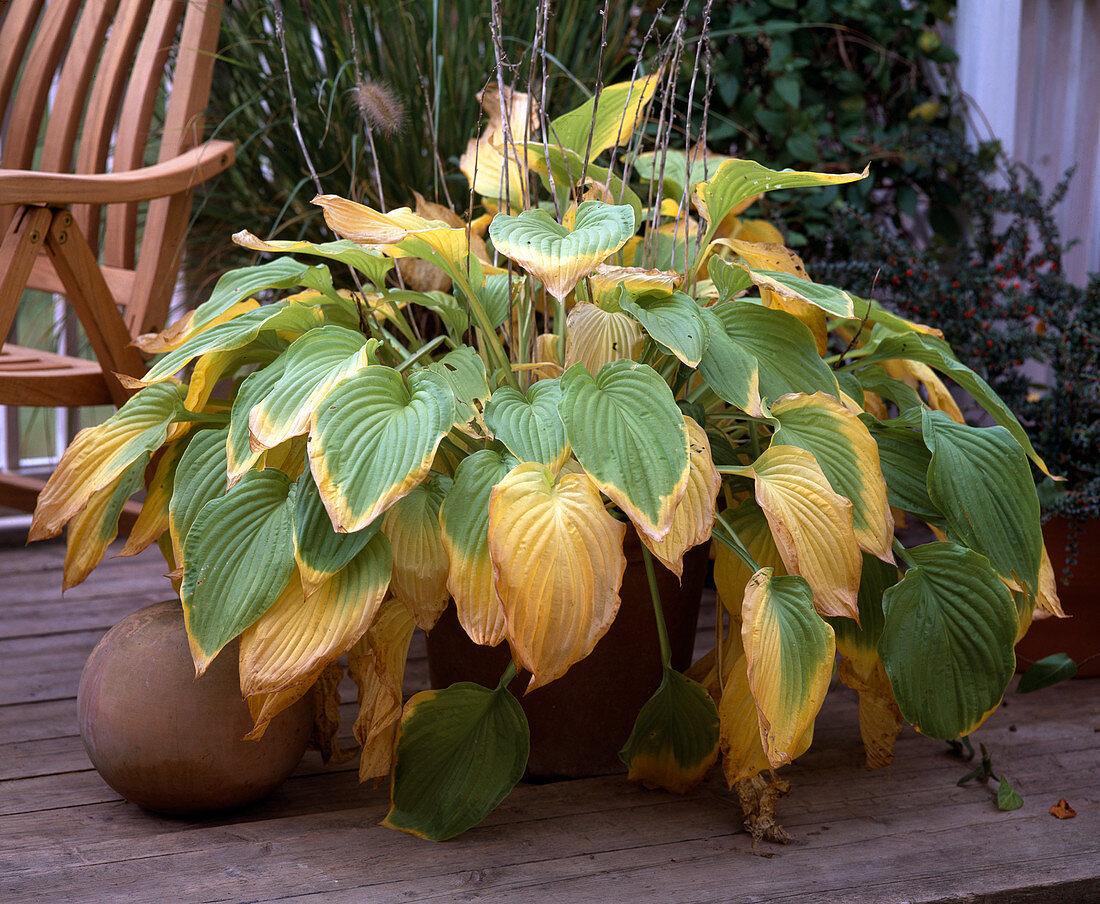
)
(903, 554)
(662, 631)
(509, 674)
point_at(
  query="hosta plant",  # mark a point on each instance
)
(577, 363)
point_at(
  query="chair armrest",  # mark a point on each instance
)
(170, 177)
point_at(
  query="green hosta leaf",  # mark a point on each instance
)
(947, 640)
(237, 333)
(318, 549)
(1007, 797)
(372, 264)
(875, 379)
(567, 167)
(496, 296)
(559, 257)
(675, 738)
(728, 279)
(238, 557)
(729, 368)
(790, 651)
(855, 639)
(677, 174)
(904, 459)
(674, 321)
(459, 751)
(830, 299)
(464, 522)
(1050, 670)
(314, 363)
(464, 372)
(937, 354)
(611, 122)
(628, 434)
(374, 438)
(979, 478)
(736, 181)
(450, 311)
(253, 389)
(98, 455)
(200, 476)
(529, 423)
(784, 349)
(849, 457)
(241, 284)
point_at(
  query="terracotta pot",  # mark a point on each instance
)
(580, 721)
(1079, 635)
(170, 742)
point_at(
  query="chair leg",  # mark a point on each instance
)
(22, 243)
(87, 290)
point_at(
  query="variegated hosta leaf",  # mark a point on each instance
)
(555, 255)
(420, 563)
(606, 280)
(611, 123)
(240, 456)
(529, 424)
(95, 528)
(979, 478)
(199, 477)
(98, 455)
(694, 516)
(675, 737)
(458, 753)
(784, 349)
(314, 363)
(811, 525)
(464, 371)
(370, 263)
(848, 455)
(731, 575)
(728, 368)
(673, 320)
(288, 318)
(627, 432)
(558, 562)
(295, 639)
(238, 557)
(739, 729)
(464, 523)
(595, 337)
(377, 665)
(736, 181)
(950, 625)
(319, 550)
(789, 653)
(153, 518)
(373, 439)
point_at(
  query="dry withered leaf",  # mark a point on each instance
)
(1062, 810)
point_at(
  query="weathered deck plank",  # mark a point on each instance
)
(902, 834)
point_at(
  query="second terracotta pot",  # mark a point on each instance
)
(580, 721)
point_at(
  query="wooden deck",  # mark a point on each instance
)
(906, 834)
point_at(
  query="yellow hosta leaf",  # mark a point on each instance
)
(595, 336)
(492, 174)
(179, 332)
(294, 640)
(731, 575)
(920, 375)
(812, 526)
(880, 720)
(739, 729)
(518, 108)
(694, 515)
(621, 109)
(153, 518)
(377, 665)
(849, 457)
(558, 559)
(420, 563)
(372, 227)
(606, 279)
(750, 230)
(265, 707)
(789, 652)
(1047, 597)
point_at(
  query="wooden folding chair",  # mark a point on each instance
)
(89, 90)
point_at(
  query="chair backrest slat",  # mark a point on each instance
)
(135, 121)
(17, 21)
(73, 85)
